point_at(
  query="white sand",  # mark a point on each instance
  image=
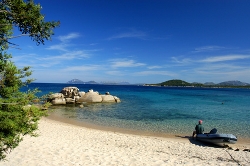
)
(63, 144)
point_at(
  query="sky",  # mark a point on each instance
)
(141, 41)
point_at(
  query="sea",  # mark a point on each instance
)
(164, 110)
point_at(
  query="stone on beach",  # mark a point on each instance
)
(71, 95)
(90, 97)
(57, 95)
(57, 101)
(108, 98)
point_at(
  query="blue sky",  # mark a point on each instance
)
(141, 41)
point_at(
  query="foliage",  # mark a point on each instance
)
(18, 115)
(175, 83)
(27, 18)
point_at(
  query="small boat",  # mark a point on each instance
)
(218, 139)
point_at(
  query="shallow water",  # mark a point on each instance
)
(162, 109)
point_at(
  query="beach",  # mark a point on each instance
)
(65, 144)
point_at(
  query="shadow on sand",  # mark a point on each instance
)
(199, 143)
(196, 142)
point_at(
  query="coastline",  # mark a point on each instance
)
(242, 143)
(66, 144)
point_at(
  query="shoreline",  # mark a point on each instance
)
(66, 144)
(242, 143)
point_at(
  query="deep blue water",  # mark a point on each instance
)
(162, 109)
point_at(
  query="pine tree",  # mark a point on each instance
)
(18, 115)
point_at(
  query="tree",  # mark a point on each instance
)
(16, 117)
(175, 83)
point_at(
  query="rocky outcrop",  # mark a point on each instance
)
(72, 95)
(90, 97)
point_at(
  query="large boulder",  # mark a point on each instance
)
(90, 97)
(56, 95)
(81, 94)
(117, 99)
(58, 101)
(108, 99)
(70, 100)
(70, 92)
(71, 95)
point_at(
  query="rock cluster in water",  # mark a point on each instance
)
(72, 95)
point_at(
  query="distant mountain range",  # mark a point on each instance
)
(233, 83)
(174, 82)
(207, 84)
(77, 81)
(229, 83)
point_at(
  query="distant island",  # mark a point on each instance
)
(171, 83)
(181, 83)
(77, 81)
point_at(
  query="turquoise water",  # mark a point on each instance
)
(163, 109)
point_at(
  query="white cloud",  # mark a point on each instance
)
(183, 61)
(61, 47)
(115, 73)
(49, 60)
(225, 58)
(219, 67)
(146, 73)
(93, 44)
(67, 56)
(208, 48)
(131, 34)
(154, 67)
(68, 37)
(116, 63)
(211, 59)
(84, 68)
